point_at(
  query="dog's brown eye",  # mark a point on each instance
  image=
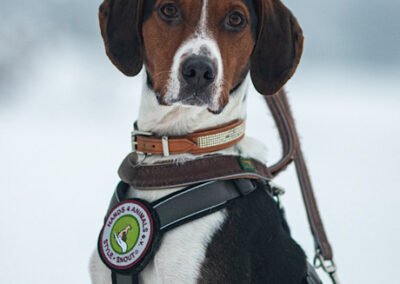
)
(235, 21)
(169, 12)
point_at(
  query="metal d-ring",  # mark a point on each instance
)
(277, 192)
(328, 266)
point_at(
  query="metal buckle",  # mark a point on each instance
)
(164, 141)
(328, 266)
(134, 133)
(277, 192)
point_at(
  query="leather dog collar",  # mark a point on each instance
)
(200, 142)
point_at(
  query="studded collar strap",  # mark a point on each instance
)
(200, 142)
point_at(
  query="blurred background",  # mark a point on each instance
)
(66, 115)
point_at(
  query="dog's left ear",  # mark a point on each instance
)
(278, 48)
(120, 24)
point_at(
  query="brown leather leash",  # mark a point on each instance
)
(291, 148)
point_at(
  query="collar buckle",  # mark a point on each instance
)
(164, 141)
(134, 133)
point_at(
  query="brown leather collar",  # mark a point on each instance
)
(200, 142)
(169, 174)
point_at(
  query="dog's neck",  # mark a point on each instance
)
(179, 120)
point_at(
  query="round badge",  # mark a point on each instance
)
(127, 235)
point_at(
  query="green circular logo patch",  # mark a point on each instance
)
(127, 234)
(124, 234)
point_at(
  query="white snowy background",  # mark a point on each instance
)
(66, 116)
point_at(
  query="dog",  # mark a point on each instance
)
(199, 57)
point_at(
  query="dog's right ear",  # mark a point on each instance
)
(120, 24)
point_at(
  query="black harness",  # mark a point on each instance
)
(163, 215)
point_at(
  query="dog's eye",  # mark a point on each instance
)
(235, 21)
(169, 12)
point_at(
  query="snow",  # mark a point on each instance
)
(65, 128)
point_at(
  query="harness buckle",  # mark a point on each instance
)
(245, 186)
(277, 191)
(134, 133)
(328, 266)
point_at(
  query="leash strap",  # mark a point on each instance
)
(280, 109)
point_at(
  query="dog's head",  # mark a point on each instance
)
(196, 52)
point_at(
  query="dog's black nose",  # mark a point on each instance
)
(198, 72)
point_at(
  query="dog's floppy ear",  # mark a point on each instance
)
(278, 48)
(120, 24)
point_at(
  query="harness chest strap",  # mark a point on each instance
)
(200, 142)
(180, 207)
(172, 175)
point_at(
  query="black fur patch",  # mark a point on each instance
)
(148, 8)
(253, 246)
(253, 17)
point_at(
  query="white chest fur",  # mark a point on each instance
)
(179, 257)
(182, 252)
(183, 249)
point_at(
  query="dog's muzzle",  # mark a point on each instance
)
(198, 73)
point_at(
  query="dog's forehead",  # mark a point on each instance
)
(214, 6)
(149, 5)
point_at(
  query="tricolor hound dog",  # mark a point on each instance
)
(199, 57)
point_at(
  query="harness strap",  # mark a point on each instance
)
(186, 205)
(190, 203)
(281, 112)
(118, 278)
(171, 175)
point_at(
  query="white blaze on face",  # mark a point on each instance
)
(200, 43)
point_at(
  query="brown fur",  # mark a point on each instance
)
(235, 47)
(162, 40)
